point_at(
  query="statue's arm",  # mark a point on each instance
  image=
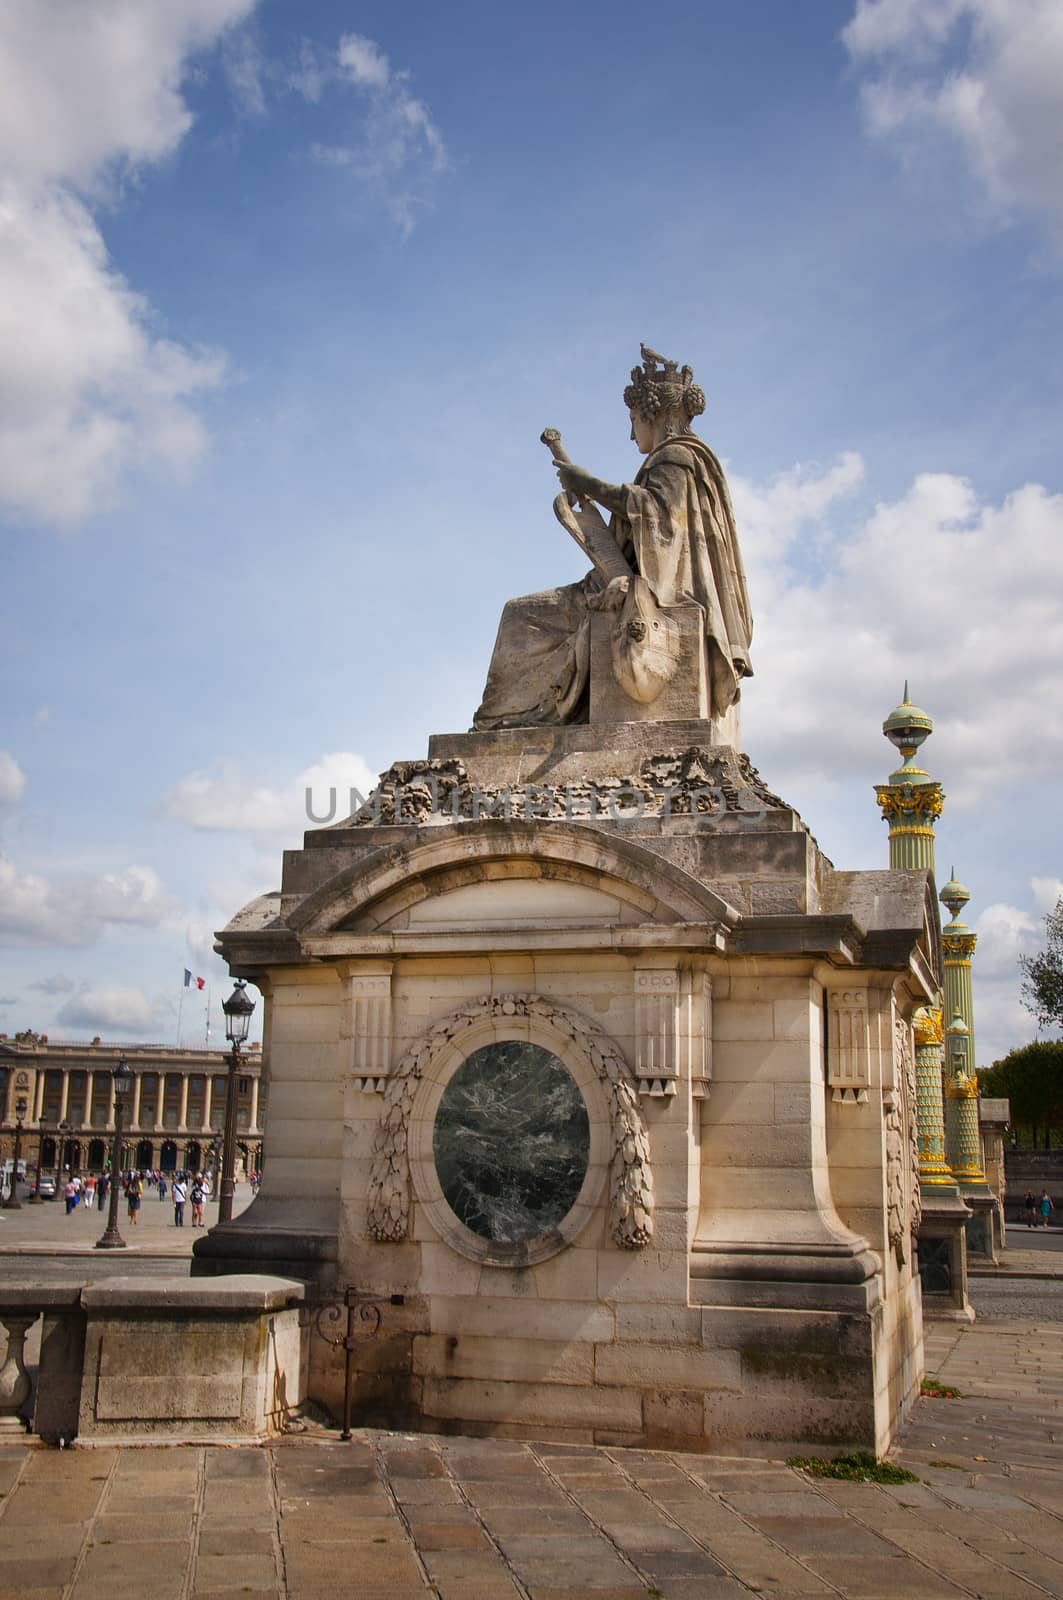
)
(585, 486)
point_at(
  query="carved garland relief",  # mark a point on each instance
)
(630, 1179)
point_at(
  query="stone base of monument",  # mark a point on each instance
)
(578, 1044)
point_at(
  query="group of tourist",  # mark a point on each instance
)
(183, 1188)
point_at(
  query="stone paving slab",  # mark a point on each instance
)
(398, 1517)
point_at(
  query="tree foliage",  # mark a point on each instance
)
(1032, 1079)
(1042, 987)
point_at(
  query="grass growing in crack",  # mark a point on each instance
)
(859, 1466)
(934, 1390)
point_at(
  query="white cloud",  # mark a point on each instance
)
(983, 75)
(364, 62)
(90, 388)
(124, 1008)
(1002, 1022)
(57, 984)
(771, 518)
(1047, 893)
(89, 392)
(979, 634)
(73, 911)
(399, 149)
(228, 802)
(12, 780)
(88, 83)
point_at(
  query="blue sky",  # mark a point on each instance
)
(287, 294)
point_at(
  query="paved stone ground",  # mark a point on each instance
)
(393, 1517)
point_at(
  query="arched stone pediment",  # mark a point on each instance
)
(546, 874)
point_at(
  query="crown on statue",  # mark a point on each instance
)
(662, 385)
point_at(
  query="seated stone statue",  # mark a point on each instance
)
(670, 541)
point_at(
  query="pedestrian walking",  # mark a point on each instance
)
(180, 1195)
(197, 1196)
(70, 1195)
(1045, 1207)
(90, 1193)
(162, 1187)
(1029, 1209)
(103, 1188)
(134, 1193)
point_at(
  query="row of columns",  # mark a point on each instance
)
(156, 1125)
(950, 1159)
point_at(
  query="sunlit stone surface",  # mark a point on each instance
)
(511, 1141)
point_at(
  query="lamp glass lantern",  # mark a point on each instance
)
(122, 1079)
(238, 1010)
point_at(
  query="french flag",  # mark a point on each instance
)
(200, 983)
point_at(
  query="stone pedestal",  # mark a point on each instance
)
(685, 698)
(627, 917)
(191, 1362)
(943, 1259)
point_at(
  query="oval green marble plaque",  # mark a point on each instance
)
(511, 1141)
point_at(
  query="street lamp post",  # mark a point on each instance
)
(122, 1079)
(36, 1198)
(64, 1137)
(13, 1203)
(238, 1009)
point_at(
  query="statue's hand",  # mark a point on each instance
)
(613, 596)
(574, 480)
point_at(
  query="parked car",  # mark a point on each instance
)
(48, 1186)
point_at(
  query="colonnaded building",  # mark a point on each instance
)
(175, 1120)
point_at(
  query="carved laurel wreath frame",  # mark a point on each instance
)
(630, 1178)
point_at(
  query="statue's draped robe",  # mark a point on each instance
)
(676, 528)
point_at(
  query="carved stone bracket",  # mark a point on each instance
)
(630, 1179)
(673, 1030)
(366, 1025)
(848, 1046)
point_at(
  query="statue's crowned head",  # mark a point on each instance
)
(660, 388)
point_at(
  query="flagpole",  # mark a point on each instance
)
(208, 1017)
(180, 1010)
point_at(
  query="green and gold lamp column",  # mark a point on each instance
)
(964, 1145)
(911, 803)
(935, 1173)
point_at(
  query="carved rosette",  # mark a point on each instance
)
(630, 1179)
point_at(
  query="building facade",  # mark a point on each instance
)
(174, 1122)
